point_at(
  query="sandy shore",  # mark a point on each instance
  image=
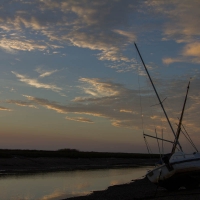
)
(140, 189)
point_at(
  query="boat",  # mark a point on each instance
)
(176, 169)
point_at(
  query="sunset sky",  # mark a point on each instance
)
(71, 77)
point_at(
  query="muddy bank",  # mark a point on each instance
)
(140, 189)
(34, 165)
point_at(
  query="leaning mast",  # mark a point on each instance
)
(157, 94)
(180, 121)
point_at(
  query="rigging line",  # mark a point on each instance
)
(162, 144)
(189, 137)
(141, 110)
(158, 145)
(169, 106)
(189, 140)
(148, 96)
(147, 145)
(159, 103)
(151, 109)
(139, 71)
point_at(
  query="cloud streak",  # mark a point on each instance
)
(106, 99)
(120, 105)
(4, 109)
(94, 25)
(44, 73)
(21, 103)
(35, 83)
(79, 119)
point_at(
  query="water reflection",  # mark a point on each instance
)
(59, 185)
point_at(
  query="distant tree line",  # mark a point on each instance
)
(69, 153)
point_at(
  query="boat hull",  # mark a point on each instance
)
(177, 173)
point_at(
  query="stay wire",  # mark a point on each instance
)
(189, 138)
(158, 145)
(140, 99)
(141, 110)
(147, 145)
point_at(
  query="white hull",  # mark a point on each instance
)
(180, 169)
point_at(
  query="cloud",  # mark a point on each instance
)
(100, 88)
(181, 24)
(127, 108)
(4, 109)
(192, 50)
(106, 99)
(127, 111)
(35, 83)
(79, 119)
(110, 45)
(183, 19)
(130, 35)
(95, 25)
(169, 61)
(190, 53)
(124, 67)
(13, 45)
(44, 73)
(21, 103)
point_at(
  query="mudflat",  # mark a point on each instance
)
(19, 165)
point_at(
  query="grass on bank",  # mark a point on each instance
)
(69, 153)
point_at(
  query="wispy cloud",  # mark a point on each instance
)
(43, 73)
(130, 35)
(4, 109)
(79, 119)
(183, 19)
(169, 61)
(94, 25)
(99, 88)
(35, 83)
(109, 100)
(13, 45)
(181, 26)
(190, 53)
(121, 105)
(192, 50)
(21, 103)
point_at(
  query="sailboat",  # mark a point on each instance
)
(176, 169)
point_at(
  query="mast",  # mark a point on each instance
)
(157, 95)
(180, 121)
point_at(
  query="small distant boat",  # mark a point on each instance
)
(176, 169)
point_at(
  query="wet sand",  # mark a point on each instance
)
(140, 189)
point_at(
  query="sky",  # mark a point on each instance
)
(72, 78)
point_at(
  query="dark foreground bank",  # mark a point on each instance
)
(140, 189)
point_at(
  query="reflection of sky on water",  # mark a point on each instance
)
(58, 185)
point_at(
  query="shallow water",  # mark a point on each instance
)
(60, 185)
